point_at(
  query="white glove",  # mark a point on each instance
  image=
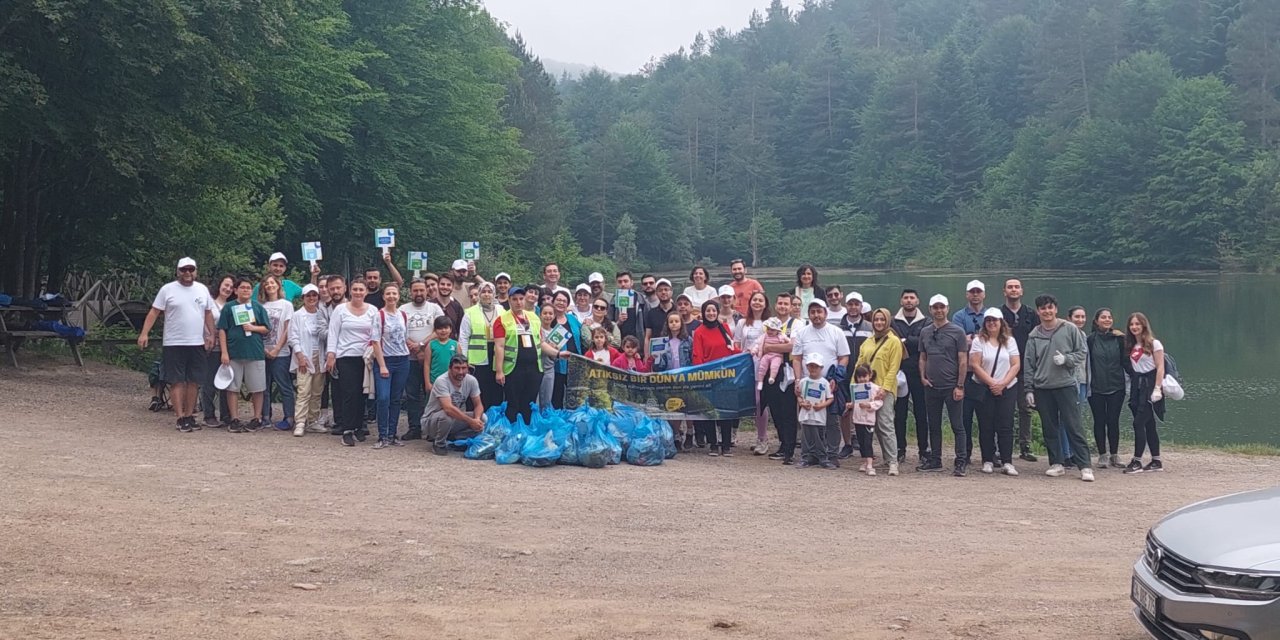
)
(1156, 394)
(1031, 399)
(1058, 358)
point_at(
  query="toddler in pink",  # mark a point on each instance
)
(770, 363)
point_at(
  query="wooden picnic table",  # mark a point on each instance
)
(17, 324)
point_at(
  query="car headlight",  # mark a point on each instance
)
(1239, 585)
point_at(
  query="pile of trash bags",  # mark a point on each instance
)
(583, 437)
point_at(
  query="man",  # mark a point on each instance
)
(502, 284)
(276, 266)
(856, 331)
(445, 419)
(188, 335)
(649, 287)
(335, 291)
(373, 280)
(462, 273)
(835, 304)
(655, 319)
(780, 398)
(827, 340)
(908, 324)
(1054, 349)
(1021, 320)
(630, 321)
(449, 304)
(944, 356)
(517, 356)
(743, 286)
(691, 317)
(551, 279)
(596, 282)
(476, 339)
(581, 303)
(420, 318)
(730, 313)
(969, 319)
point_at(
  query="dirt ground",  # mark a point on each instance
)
(115, 525)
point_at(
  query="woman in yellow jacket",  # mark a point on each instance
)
(883, 353)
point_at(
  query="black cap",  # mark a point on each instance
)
(458, 358)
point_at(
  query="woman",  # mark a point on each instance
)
(353, 325)
(476, 336)
(883, 353)
(713, 340)
(995, 362)
(243, 351)
(701, 291)
(572, 345)
(1106, 386)
(600, 318)
(391, 352)
(677, 353)
(1078, 317)
(749, 331)
(279, 362)
(209, 395)
(307, 330)
(806, 286)
(517, 355)
(551, 353)
(1146, 391)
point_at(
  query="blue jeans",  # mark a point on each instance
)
(278, 377)
(390, 393)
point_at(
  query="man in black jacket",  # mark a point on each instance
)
(908, 323)
(1021, 320)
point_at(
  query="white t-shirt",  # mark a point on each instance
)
(184, 310)
(217, 313)
(279, 312)
(392, 326)
(834, 316)
(1142, 362)
(350, 334)
(601, 356)
(748, 334)
(582, 316)
(422, 320)
(988, 352)
(699, 297)
(813, 391)
(829, 341)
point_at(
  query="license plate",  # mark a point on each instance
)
(1146, 599)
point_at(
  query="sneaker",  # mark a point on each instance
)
(805, 464)
(412, 434)
(987, 467)
(361, 435)
(155, 405)
(846, 451)
(195, 425)
(1086, 474)
(1102, 461)
(235, 426)
(317, 428)
(396, 442)
(1154, 465)
(381, 444)
(828, 465)
(183, 425)
(871, 471)
(1115, 461)
(788, 461)
(1055, 471)
(688, 441)
(349, 438)
(1009, 470)
(253, 425)
(336, 431)
(1028, 456)
(1135, 466)
(961, 469)
(726, 452)
(439, 449)
(299, 430)
(929, 466)
(777, 455)
(283, 425)
(1068, 465)
(713, 452)
(902, 457)
(700, 441)
(760, 386)
(760, 449)
(893, 468)
(212, 423)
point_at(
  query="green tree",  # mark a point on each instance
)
(624, 245)
(1254, 57)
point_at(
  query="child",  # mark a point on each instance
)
(435, 360)
(600, 350)
(630, 359)
(815, 397)
(770, 362)
(867, 398)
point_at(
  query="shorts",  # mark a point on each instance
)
(181, 365)
(253, 373)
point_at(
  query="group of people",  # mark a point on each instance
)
(832, 373)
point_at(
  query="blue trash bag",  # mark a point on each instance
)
(646, 448)
(496, 423)
(481, 447)
(509, 449)
(540, 450)
(668, 436)
(569, 448)
(594, 450)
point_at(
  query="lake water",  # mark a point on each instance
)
(1217, 326)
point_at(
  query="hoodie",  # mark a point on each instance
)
(1039, 370)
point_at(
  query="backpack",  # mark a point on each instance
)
(1171, 367)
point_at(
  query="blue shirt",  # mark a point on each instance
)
(969, 320)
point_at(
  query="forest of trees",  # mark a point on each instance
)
(963, 133)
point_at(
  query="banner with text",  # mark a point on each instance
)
(720, 390)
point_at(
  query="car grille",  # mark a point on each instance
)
(1172, 569)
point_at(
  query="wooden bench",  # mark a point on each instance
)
(27, 316)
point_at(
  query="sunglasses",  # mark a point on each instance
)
(187, 269)
(599, 307)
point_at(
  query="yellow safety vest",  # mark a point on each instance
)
(481, 339)
(512, 329)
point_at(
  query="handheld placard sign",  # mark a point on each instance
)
(417, 262)
(557, 337)
(243, 315)
(311, 252)
(470, 251)
(384, 239)
(658, 345)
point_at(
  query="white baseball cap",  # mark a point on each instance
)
(278, 256)
(814, 358)
(817, 302)
(853, 295)
(459, 265)
(224, 377)
(726, 290)
(662, 281)
(310, 288)
(938, 298)
(582, 287)
(186, 262)
(992, 313)
(501, 275)
(595, 276)
(975, 284)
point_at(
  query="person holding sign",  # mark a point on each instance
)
(242, 326)
(865, 398)
(572, 344)
(476, 334)
(516, 338)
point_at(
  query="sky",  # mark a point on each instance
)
(618, 35)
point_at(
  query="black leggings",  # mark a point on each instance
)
(864, 432)
(349, 394)
(521, 390)
(1145, 435)
(1106, 408)
(708, 430)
